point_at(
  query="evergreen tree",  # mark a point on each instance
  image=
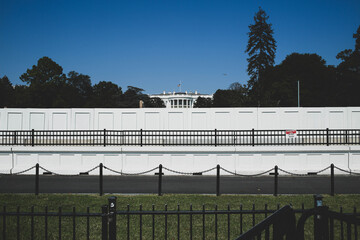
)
(261, 49)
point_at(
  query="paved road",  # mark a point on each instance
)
(179, 184)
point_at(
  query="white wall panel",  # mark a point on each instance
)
(106, 120)
(82, 121)
(336, 119)
(162, 118)
(246, 120)
(5, 162)
(128, 121)
(37, 121)
(290, 119)
(355, 120)
(15, 121)
(314, 119)
(60, 121)
(199, 120)
(176, 120)
(268, 119)
(222, 120)
(152, 121)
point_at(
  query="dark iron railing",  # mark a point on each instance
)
(123, 222)
(283, 224)
(179, 137)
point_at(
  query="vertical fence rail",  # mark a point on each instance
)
(112, 218)
(37, 179)
(160, 181)
(101, 179)
(276, 180)
(332, 182)
(218, 180)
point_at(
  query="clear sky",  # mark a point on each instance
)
(156, 44)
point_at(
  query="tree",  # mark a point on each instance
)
(44, 80)
(348, 73)
(202, 102)
(78, 89)
(261, 49)
(317, 82)
(154, 103)
(6, 92)
(233, 97)
(106, 95)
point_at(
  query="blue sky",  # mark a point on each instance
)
(156, 44)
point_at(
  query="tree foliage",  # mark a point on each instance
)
(261, 47)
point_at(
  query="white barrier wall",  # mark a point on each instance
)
(193, 118)
(243, 160)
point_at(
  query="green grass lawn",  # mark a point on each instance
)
(94, 202)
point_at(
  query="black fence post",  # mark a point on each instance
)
(104, 220)
(37, 179)
(215, 133)
(160, 180)
(104, 137)
(218, 180)
(101, 179)
(327, 136)
(112, 218)
(141, 137)
(332, 180)
(32, 137)
(253, 137)
(14, 141)
(276, 181)
(321, 231)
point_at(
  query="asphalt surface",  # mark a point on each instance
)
(179, 184)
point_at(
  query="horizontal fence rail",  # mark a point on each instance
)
(180, 137)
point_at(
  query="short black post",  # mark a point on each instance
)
(32, 137)
(215, 133)
(160, 180)
(112, 218)
(218, 180)
(332, 180)
(327, 136)
(37, 179)
(141, 137)
(253, 137)
(104, 137)
(101, 179)
(320, 220)
(104, 220)
(276, 181)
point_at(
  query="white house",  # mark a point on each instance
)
(180, 99)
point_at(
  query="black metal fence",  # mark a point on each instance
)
(159, 171)
(180, 137)
(115, 222)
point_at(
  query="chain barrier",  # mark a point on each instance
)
(294, 174)
(183, 173)
(323, 170)
(247, 175)
(343, 170)
(130, 174)
(189, 173)
(92, 169)
(58, 174)
(18, 173)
